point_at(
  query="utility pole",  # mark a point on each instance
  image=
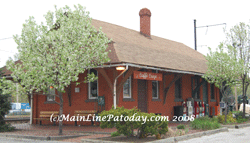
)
(16, 92)
(195, 44)
(195, 37)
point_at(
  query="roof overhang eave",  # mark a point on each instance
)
(153, 68)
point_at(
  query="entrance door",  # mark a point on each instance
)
(205, 97)
(142, 95)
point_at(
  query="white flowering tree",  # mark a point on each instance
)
(55, 52)
(223, 69)
(17, 92)
(238, 38)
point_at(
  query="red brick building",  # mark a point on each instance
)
(173, 73)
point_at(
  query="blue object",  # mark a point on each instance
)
(25, 106)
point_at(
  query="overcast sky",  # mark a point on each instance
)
(171, 19)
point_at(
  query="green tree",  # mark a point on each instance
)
(15, 89)
(54, 53)
(223, 70)
(5, 106)
(238, 39)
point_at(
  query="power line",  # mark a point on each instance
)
(195, 40)
(6, 38)
(7, 51)
(211, 25)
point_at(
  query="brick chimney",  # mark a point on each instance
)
(145, 15)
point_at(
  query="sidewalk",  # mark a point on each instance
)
(49, 132)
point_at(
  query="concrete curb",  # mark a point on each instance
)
(169, 140)
(242, 126)
(195, 135)
(42, 138)
(236, 126)
(228, 126)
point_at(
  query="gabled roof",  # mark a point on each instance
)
(7, 72)
(129, 46)
(132, 47)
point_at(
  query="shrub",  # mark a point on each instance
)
(239, 117)
(239, 114)
(6, 128)
(186, 130)
(205, 123)
(5, 106)
(127, 128)
(114, 134)
(230, 119)
(181, 126)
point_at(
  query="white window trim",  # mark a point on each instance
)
(157, 87)
(89, 91)
(130, 95)
(157, 91)
(49, 99)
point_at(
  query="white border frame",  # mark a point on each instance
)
(89, 97)
(157, 87)
(130, 95)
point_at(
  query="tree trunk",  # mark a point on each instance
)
(60, 113)
(243, 96)
(244, 99)
(236, 99)
(226, 113)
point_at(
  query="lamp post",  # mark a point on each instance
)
(119, 69)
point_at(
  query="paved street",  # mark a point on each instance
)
(234, 135)
(19, 140)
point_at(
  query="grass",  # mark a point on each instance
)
(181, 126)
(240, 119)
(114, 134)
(205, 123)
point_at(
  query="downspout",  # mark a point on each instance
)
(115, 85)
(31, 110)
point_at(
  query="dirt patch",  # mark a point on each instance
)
(93, 136)
(40, 133)
(127, 139)
(172, 132)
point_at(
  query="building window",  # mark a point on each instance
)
(127, 88)
(51, 94)
(212, 91)
(178, 89)
(93, 86)
(155, 87)
(195, 82)
(205, 93)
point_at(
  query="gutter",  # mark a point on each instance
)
(140, 66)
(115, 85)
(152, 68)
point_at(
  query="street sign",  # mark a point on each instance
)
(25, 106)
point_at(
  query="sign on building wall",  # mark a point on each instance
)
(147, 75)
